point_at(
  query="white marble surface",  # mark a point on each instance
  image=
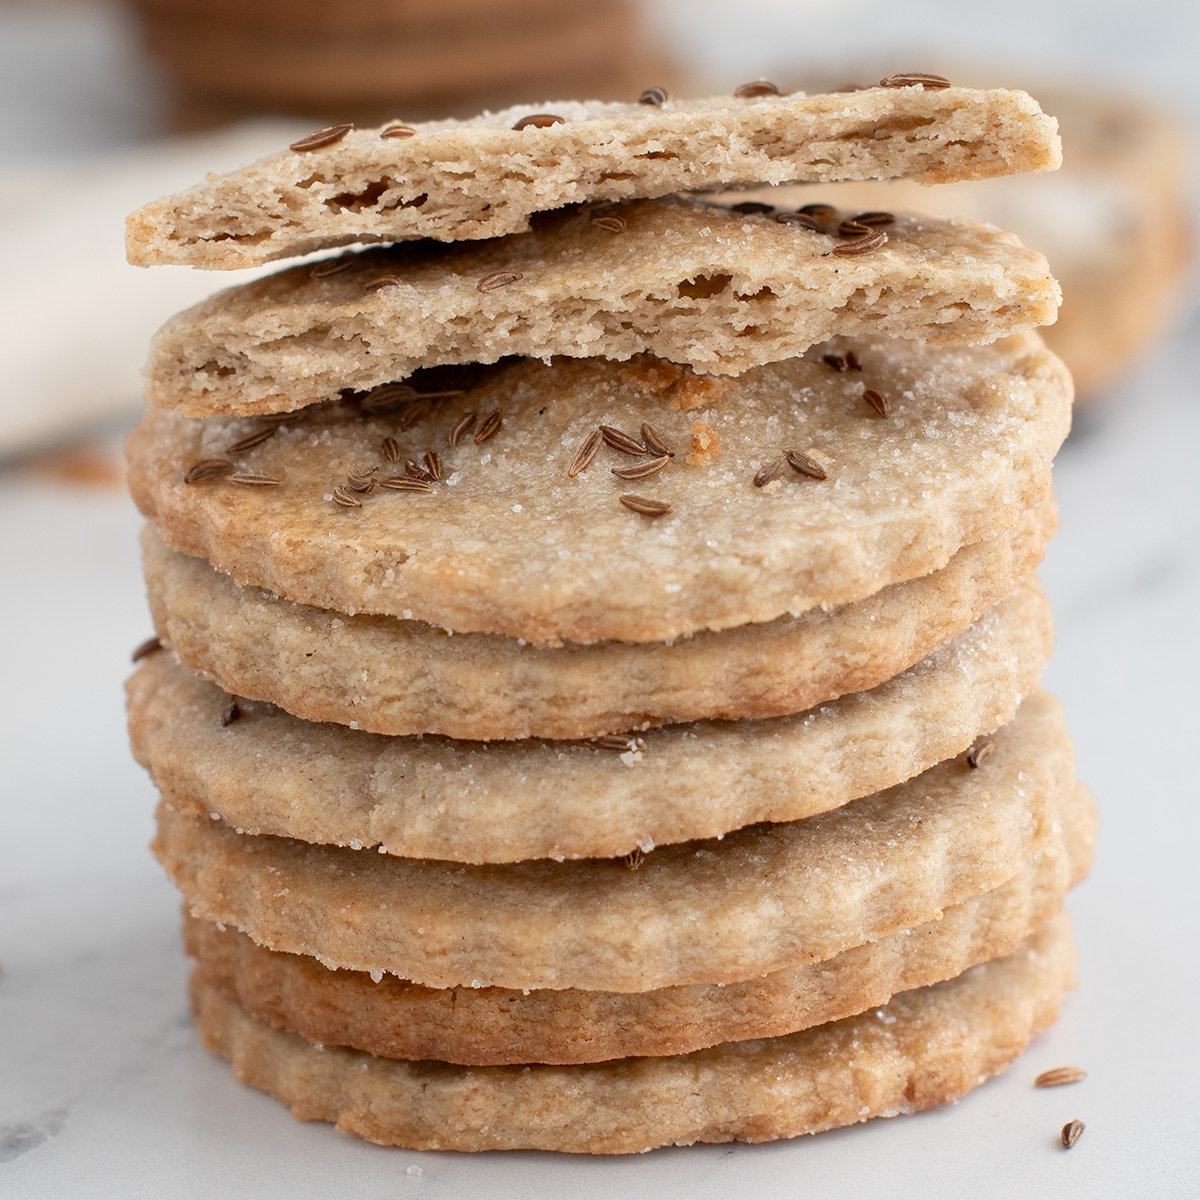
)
(105, 1091)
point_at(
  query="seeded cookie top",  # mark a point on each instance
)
(480, 178)
(586, 499)
(719, 289)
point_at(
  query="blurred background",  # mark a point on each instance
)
(106, 104)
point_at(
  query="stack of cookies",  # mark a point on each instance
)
(226, 59)
(601, 709)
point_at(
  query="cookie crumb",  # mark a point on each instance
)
(651, 376)
(698, 391)
(706, 445)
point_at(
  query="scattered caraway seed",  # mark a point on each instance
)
(642, 470)
(615, 741)
(410, 414)
(539, 121)
(611, 224)
(635, 858)
(251, 440)
(333, 266)
(388, 396)
(413, 471)
(345, 499)
(915, 79)
(873, 219)
(497, 280)
(863, 245)
(283, 418)
(799, 221)
(231, 713)
(752, 207)
(397, 129)
(852, 363)
(878, 401)
(404, 483)
(760, 87)
(823, 212)
(384, 281)
(771, 471)
(362, 480)
(391, 449)
(433, 464)
(147, 647)
(836, 361)
(803, 465)
(654, 95)
(851, 229)
(463, 426)
(322, 137)
(210, 468)
(253, 479)
(586, 453)
(978, 755)
(491, 423)
(1059, 1075)
(645, 506)
(622, 441)
(654, 443)
(1072, 1131)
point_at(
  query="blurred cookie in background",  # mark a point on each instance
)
(1113, 222)
(371, 60)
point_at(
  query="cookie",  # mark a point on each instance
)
(194, 109)
(764, 898)
(420, 61)
(425, 797)
(508, 542)
(404, 677)
(1114, 224)
(464, 180)
(498, 1026)
(925, 1047)
(715, 289)
(319, 16)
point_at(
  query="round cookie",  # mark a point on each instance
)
(418, 62)
(509, 542)
(496, 1026)
(481, 178)
(698, 284)
(354, 16)
(764, 898)
(406, 677)
(926, 1047)
(427, 797)
(1114, 222)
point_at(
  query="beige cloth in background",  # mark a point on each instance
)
(75, 318)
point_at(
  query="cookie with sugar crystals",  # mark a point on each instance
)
(405, 677)
(1115, 224)
(764, 898)
(495, 1026)
(719, 290)
(922, 451)
(925, 1047)
(427, 797)
(463, 180)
